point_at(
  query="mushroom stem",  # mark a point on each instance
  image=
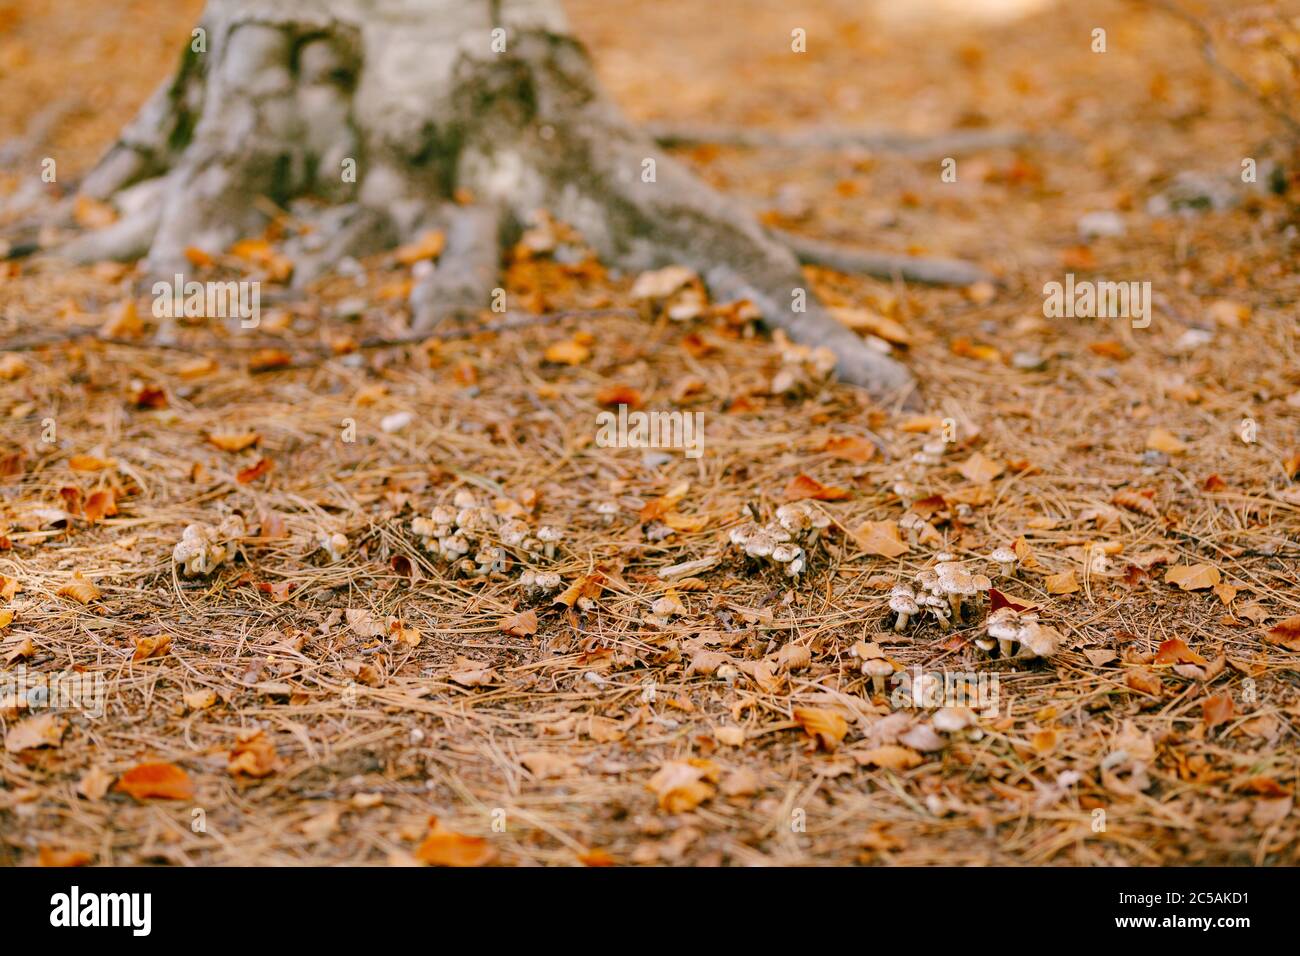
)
(1007, 567)
(902, 621)
(1004, 645)
(954, 602)
(878, 683)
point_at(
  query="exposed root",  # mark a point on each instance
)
(923, 269)
(914, 147)
(467, 271)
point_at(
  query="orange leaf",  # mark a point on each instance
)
(570, 352)
(619, 395)
(804, 486)
(428, 246)
(147, 647)
(1176, 651)
(880, 537)
(253, 755)
(52, 857)
(1217, 710)
(165, 781)
(444, 847)
(101, 504)
(252, 473)
(850, 448)
(234, 441)
(1196, 577)
(89, 463)
(521, 625)
(826, 727)
(1285, 634)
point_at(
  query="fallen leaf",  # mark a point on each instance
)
(889, 757)
(1285, 634)
(253, 472)
(803, 486)
(979, 469)
(616, 395)
(849, 448)
(45, 730)
(523, 624)
(79, 589)
(234, 441)
(1217, 710)
(253, 756)
(1176, 651)
(164, 781)
(94, 783)
(147, 647)
(826, 727)
(444, 847)
(428, 246)
(880, 538)
(1162, 440)
(680, 786)
(568, 352)
(1195, 577)
(50, 857)
(89, 463)
(1063, 583)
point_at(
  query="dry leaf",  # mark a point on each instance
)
(253, 755)
(826, 727)
(568, 352)
(680, 785)
(1195, 577)
(444, 847)
(523, 624)
(804, 486)
(94, 783)
(1217, 710)
(1285, 634)
(1165, 441)
(164, 781)
(252, 473)
(79, 589)
(147, 647)
(50, 857)
(1176, 651)
(45, 730)
(889, 757)
(849, 448)
(234, 441)
(880, 538)
(979, 469)
(1063, 583)
(428, 246)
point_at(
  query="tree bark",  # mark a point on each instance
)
(422, 99)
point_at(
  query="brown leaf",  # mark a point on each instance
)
(101, 504)
(1162, 440)
(1285, 634)
(850, 448)
(234, 441)
(253, 472)
(1063, 583)
(1195, 577)
(1144, 681)
(428, 246)
(889, 757)
(79, 589)
(253, 756)
(1135, 501)
(147, 647)
(1217, 710)
(164, 781)
(826, 727)
(89, 463)
(681, 786)
(880, 538)
(1176, 651)
(979, 469)
(803, 486)
(523, 624)
(615, 395)
(45, 730)
(568, 352)
(50, 857)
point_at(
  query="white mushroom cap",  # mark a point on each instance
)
(1003, 624)
(666, 607)
(986, 643)
(794, 517)
(902, 589)
(903, 603)
(911, 520)
(981, 582)
(954, 579)
(454, 546)
(877, 667)
(548, 580)
(335, 544)
(760, 545)
(548, 535)
(512, 533)
(741, 534)
(785, 553)
(952, 719)
(1003, 555)
(945, 556)
(607, 508)
(424, 527)
(464, 498)
(927, 579)
(443, 515)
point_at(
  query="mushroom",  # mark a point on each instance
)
(1005, 559)
(540, 582)
(939, 607)
(549, 537)
(760, 545)
(912, 523)
(906, 492)
(902, 601)
(1038, 641)
(957, 583)
(453, 546)
(741, 534)
(335, 544)
(788, 554)
(949, 720)
(1003, 626)
(464, 498)
(444, 519)
(607, 511)
(795, 518)
(512, 533)
(666, 606)
(198, 552)
(877, 669)
(490, 558)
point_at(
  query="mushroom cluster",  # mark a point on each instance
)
(1018, 633)
(476, 541)
(784, 541)
(204, 547)
(948, 591)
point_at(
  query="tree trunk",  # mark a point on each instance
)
(377, 111)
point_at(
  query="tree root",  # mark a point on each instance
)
(956, 143)
(280, 102)
(922, 269)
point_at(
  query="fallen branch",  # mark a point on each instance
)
(880, 265)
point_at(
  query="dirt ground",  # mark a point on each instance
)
(294, 708)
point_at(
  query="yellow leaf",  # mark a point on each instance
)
(428, 246)
(864, 320)
(234, 441)
(890, 757)
(1194, 577)
(881, 538)
(569, 352)
(1163, 440)
(979, 469)
(1063, 583)
(826, 727)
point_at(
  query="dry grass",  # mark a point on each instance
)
(352, 716)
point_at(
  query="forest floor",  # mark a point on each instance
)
(291, 707)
